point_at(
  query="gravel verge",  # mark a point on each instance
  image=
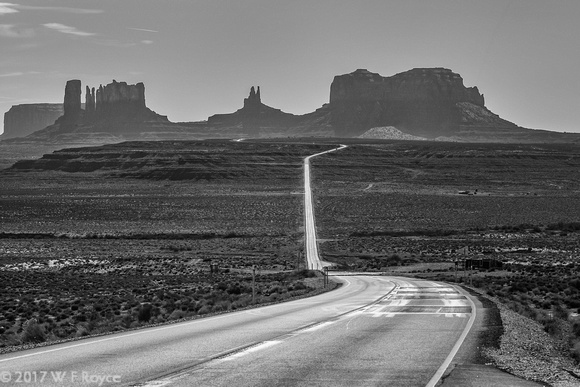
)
(527, 351)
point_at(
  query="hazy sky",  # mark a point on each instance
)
(198, 58)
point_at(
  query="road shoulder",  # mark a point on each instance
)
(471, 367)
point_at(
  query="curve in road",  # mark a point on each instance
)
(372, 330)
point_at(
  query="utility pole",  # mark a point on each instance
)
(253, 284)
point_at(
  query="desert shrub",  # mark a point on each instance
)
(575, 350)
(82, 330)
(394, 260)
(32, 332)
(204, 309)
(176, 315)
(62, 332)
(560, 312)
(126, 320)
(222, 306)
(222, 286)
(576, 328)
(241, 303)
(234, 289)
(144, 313)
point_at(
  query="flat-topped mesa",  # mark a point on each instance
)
(429, 83)
(422, 101)
(22, 120)
(417, 84)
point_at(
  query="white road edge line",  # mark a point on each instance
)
(435, 379)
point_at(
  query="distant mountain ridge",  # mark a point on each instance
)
(430, 103)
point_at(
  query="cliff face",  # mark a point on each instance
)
(21, 120)
(426, 102)
(118, 99)
(426, 84)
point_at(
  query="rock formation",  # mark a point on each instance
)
(116, 110)
(21, 120)
(253, 102)
(89, 101)
(427, 102)
(120, 99)
(72, 100)
(432, 103)
(389, 133)
(254, 116)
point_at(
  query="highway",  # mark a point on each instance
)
(310, 243)
(371, 331)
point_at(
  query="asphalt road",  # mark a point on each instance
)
(371, 331)
(311, 246)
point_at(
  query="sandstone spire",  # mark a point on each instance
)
(89, 100)
(72, 99)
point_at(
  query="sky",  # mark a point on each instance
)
(200, 57)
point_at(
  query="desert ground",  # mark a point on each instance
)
(127, 235)
(119, 236)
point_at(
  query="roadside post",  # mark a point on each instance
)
(253, 284)
(325, 276)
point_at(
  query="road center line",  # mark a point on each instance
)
(256, 348)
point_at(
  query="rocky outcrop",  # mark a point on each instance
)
(423, 84)
(427, 102)
(21, 120)
(389, 133)
(117, 109)
(72, 100)
(254, 117)
(118, 99)
(254, 102)
(89, 101)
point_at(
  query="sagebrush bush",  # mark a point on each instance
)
(32, 332)
(575, 350)
(176, 315)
